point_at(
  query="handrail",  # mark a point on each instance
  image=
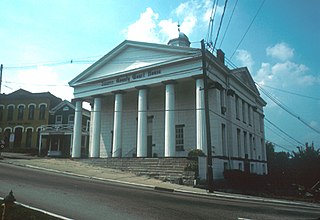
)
(130, 151)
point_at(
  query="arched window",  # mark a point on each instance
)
(29, 137)
(42, 112)
(20, 112)
(31, 112)
(10, 113)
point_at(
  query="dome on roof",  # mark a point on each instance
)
(182, 40)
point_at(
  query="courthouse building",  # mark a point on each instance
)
(147, 100)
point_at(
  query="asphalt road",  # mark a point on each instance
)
(80, 198)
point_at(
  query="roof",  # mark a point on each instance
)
(24, 94)
(70, 105)
(132, 55)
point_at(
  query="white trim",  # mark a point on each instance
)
(24, 106)
(11, 105)
(6, 128)
(31, 105)
(32, 129)
(18, 126)
(43, 103)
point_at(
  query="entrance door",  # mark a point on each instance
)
(149, 136)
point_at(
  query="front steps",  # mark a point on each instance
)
(174, 170)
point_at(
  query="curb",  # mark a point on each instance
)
(169, 190)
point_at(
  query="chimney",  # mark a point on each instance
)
(220, 55)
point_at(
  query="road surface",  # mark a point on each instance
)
(81, 198)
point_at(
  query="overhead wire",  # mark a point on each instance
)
(244, 35)
(221, 20)
(225, 32)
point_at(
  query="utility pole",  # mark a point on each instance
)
(206, 109)
(1, 67)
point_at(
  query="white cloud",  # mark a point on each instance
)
(144, 28)
(41, 79)
(150, 28)
(245, 58)
(280, 51)
(285, 74)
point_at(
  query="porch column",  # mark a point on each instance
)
(96, 127)
(77, 130)
(117, 126)
(170, 131)
(142, 123)
(200, 117)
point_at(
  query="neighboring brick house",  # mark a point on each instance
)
(57, 135)
(21, 115)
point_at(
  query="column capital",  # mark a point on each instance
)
(201, 76)
(77, 100)
(168, 82)
(141, 87)
(119, 92)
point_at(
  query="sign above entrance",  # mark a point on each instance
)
(131, 77)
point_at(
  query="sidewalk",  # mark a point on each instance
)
(78, 168)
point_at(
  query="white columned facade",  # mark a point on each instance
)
(77, 130)
(117, 126)
(142, 123)
(200, 117)
(170, 131)
(96, 127)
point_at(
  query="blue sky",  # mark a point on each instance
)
(40, 38)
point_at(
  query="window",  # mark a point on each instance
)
(239, 141)
(42, 112)
(1, 113)
(223, 139)
(225, 166)
(249, 115)
(70, 119)
(244, 111)
(58, 119)
(20, 112)
(28, 137)
(10, 113)
(251, 145)
(237, 108)
(179, 138)
(245, 142)
(31, 112)
(222, 102)
(240, 166)
(261, 123)
(263, 149)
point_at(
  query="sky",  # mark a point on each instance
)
(46, 43)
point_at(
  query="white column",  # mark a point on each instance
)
(117, 126)
(77, 130)
(170, 132)
(96, 127)
(142, 123)
(200, 117)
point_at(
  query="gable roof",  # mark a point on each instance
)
(132, 55)
(244, 76)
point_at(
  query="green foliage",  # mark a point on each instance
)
(301, 167)
(196, 153)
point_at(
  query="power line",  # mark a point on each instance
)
(248, 29)
(285, 108)
(224, 9)
(289, 92)
(234, 7)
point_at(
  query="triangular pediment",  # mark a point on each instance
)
(244, 76)
(132, 56)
